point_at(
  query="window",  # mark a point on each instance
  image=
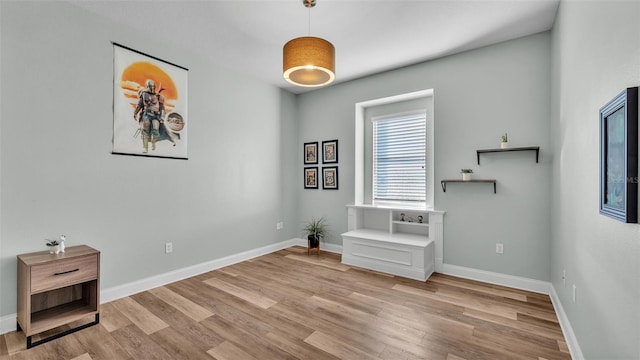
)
(399, 156)
(381, 109)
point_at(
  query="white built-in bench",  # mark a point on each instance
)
(393, 240)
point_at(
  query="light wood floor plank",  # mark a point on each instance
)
(84, 356)
(138, 344)
(467, 302)
(111, 318)
(186, 306)
(256, 299)
(15, 342)
(295, 345)
(480, 288)
(228, 351)
(257, 346)
(553, 333)
(178, 346)
(99, 344)
(336, 347)
(139, 315)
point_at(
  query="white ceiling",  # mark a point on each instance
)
(369, 36)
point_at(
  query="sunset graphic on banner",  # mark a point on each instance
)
(136, 74)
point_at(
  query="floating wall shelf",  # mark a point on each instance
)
(444, 183)
(528, 148)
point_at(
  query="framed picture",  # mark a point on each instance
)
(311, 177)
(330, 151)
(619, 157)
(149, 105)
(311, 153)
(330, 178)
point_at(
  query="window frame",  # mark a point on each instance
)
(360, 121)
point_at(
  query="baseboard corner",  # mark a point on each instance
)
(565, 325)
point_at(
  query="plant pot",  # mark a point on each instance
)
(54, 249)
(313, 241)
(504, 145)
(466, 176)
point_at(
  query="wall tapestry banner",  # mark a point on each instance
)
(149, 105)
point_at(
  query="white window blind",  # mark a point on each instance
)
(399, 153)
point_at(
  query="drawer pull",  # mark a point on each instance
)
(66, 272)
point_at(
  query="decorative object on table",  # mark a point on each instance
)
(311, 177)
(56, 246)
(401, 216)
(62, 240)
(466, 174)
(311, 152)
(330, 178)
(619, 157)
(330, 151)
(505, 141)
(315, 230)
(420, 218)
(149, 105)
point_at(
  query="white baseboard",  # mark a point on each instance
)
(567, 330)
(516, 282)
(8, 322)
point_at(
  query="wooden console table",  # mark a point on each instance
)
(55, 290)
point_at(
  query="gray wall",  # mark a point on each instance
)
(596, 54)
(478, 96)
(58, 175)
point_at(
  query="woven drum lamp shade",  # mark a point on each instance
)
(308, 61)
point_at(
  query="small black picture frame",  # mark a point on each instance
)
(330, 178)
(310, 153)
(619, 157)
(311, 177)
(330, 152)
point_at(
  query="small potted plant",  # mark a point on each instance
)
(54, 246)
(466, 174)
(315, 230)
(505, 141)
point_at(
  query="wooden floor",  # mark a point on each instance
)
(287, 305)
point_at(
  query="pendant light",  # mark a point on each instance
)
(308, 61)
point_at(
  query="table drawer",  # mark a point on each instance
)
(63, 273)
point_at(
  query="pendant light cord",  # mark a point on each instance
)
(309, 30)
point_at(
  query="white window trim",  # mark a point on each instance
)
(360, 121)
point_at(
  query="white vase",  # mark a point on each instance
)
(54, 249)
(466, 176)
(504, 145)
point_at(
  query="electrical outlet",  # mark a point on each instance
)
(168, 248)
(499, 248)
(574, 294)
(279, 225)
